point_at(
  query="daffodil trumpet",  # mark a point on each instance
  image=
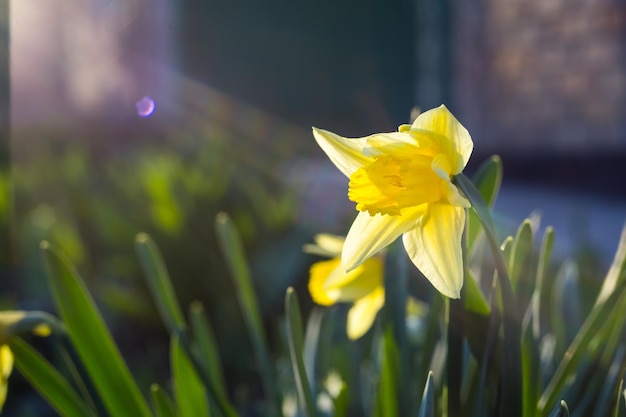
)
(402, 185)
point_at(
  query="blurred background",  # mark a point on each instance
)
(123, 116)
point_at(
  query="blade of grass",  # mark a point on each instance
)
(560, 410)
(539, 298)
(159, 283)
(620, 401)
(295, 341)
(578, 350)
(604, 400)
(232, 249)
(207, 347)
(522, 247)
(394, 318)
(427, 407)
(531, 365)
(454, 366)
(48, 381)
(163, 293)
(188, 389)
(161, 402)
(490, 351)
(91, 338)
(390, 367)
(617, 272)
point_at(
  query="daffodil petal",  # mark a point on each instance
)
(369, 234)
(330, 243)
(320, 273)
(380, 143)
(363, 313)
(440, 121)
(345, 153)
(6, 366)
(434, 246)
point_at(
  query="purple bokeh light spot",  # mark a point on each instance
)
(145, 107)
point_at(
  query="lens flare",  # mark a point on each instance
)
(145, 107)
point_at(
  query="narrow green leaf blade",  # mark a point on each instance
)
(578, 349)
(188, 389)
(162, 403)
(48, 381)
(488, 178)
(520, 252)
(620, 401)
(91, 338)
(540, 295)
(560, 410)
(475, 300)
(390, 368)
(232, 249)
(427, 407)
(295, 341)
(531, 366)
(207, 347)
(159, 283)
(511, 400)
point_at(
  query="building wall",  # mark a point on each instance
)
(541, 75)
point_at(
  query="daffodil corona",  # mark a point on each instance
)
(402, 185)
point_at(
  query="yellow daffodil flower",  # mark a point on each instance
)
(363, 285)
(402, 185)
(12, 323)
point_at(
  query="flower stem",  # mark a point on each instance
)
(511, 372)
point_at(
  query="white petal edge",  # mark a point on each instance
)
(439, 120)
(362, 314)
(369, 234)
(434, 246)
(345, 153)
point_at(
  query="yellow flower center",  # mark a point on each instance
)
(400, 177)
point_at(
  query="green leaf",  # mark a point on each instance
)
(540, 295)
(489, 352)
(390, 368)
(162, 403)
(604, 401)
(294, 339)
(232, 249)
(159, 283)
(394, 316)
(427, 407)
(565, 305)
(488, 178)
(475, 300)
(454, 365)
(560, 410)
(580, 348)
(48, 381)
(620, 401)
(188, 389)
(91, 338)
(616, 276)
(520, 252)
(207, 348)
(511, 375)
(531, 366)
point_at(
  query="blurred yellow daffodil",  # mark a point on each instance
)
(401, 183)
(362, 286)
(13, 323)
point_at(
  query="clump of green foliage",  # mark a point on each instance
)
(508, 347)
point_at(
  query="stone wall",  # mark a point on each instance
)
(541, 75)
